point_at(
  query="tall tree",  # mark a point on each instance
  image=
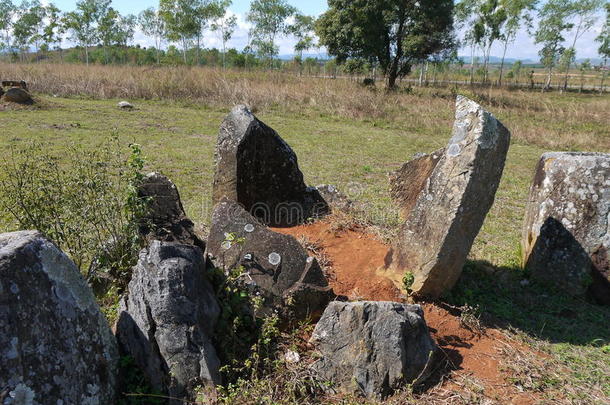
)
(519, 15)
(53, 28)
(182, 21)
(151, 24)
(225, 25)
(554, 23)
(490, 17)
(28, 26)
(303, 31)
(269, 20)
(585, 14)
(83, 22)
(208, 11)
(391, 33)
(464, 21)
(604, 46)
(107, 29)
(7, 10)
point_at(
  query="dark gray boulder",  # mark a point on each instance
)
(274, 265)
(445, 211)
(56, 346)
(167, 320)
(17, 95)
(372, 348)
(566, 234)
(166, 219)
(256, 168)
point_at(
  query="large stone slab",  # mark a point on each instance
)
(167, 320)
(372, 348)
(566, 234)
(166, 219)
(56, 346)
(453, 201)
(256, 168)
(274, 265)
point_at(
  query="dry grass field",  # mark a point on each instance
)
(351, 136)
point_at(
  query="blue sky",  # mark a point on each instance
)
(313, 7)
(523, 48)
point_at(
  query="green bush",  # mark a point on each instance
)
(85, 201)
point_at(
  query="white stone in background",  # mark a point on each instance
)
(125, 105)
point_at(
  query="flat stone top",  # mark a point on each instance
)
(576, 156)
(9, 242)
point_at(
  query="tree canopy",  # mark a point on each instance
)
(393, 34)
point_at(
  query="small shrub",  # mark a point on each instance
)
(407, 281)
(85, 201)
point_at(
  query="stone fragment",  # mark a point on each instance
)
(336, 200)
(372, 348)
(56, 346)
(275, 265)
(167, 320)
(166, 218)
(17, 95)
(257, 168)
(449, 210)
(566, 234)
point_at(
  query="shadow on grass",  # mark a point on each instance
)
(507, 299)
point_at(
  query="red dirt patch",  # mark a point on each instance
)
(355, 258)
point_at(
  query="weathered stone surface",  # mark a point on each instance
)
(17, 95)
(56, 346)
(167, 319)
(449, 211)
(372, 348)
(275, 265)
(166, 220)
(407, 182)
(257, 168)
(566, 234)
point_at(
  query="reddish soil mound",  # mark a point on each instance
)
(354, 260)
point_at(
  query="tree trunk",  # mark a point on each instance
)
(392, 76)
(471, 64)
(502, 64)
(601, 84)
(549, 76)
(184, 49)
(87, 55)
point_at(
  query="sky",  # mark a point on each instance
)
(523, 48)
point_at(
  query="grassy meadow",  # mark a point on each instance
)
(343, 134)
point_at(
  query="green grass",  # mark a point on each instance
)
(178, 140)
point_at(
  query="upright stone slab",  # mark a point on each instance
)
(167, 320)
(451, 205)
(166, 218)
(257, 168)
(56, 346)
(275, 266)
(372, 348)
(566, 235)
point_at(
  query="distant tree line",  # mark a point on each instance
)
(385, 36)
